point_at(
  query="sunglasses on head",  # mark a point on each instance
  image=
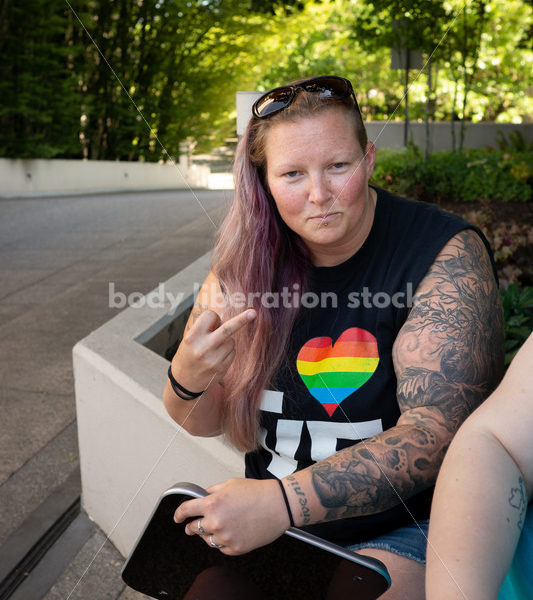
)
(327, 86)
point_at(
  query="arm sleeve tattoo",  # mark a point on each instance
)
(448, 357)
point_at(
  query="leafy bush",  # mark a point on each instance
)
(512, 244)
(461, 177)
(478, 175)
(518, 318)
(515, 143)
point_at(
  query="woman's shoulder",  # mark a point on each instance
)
(413, 226)
(407, 209)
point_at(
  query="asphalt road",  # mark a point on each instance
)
(58, 258)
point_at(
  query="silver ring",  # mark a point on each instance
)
(212, 543)
(201, 530)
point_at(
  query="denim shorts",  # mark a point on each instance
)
(409, 541)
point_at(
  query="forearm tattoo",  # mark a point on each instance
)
(448, 357)
(302, 499)
(378, 473)
(518, 500)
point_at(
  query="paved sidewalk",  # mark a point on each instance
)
(58, 257)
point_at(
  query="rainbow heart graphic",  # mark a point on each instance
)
(332, 372)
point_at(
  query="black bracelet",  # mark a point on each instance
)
(291, 520)
(179, 390)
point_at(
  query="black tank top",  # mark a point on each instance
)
(337, 385)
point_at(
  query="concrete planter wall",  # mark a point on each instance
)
(19, 177)
(130, 450)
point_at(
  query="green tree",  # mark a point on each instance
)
(319, 41)
(405, 26)
(464, 43)
(180, 61)
(503, 71)
(475, 54)
(39, 107)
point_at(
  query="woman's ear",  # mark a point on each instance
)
(370, 159)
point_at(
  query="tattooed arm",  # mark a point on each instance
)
(448, 357)
(482, 491)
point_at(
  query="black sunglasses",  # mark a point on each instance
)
(328, 86)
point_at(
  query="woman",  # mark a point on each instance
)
(350, 346)
(481, 498)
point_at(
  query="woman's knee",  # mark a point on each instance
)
(407, 575)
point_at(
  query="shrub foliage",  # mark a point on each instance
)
(473, 175)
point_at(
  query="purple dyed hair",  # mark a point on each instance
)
(257, 253)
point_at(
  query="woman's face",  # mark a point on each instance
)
(318, 176)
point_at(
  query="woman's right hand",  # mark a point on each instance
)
(207, 349)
